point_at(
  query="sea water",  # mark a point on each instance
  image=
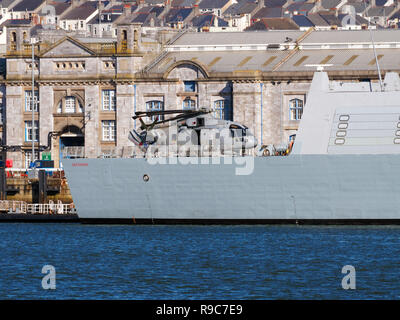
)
(198, 262)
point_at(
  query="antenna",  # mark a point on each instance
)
(373, 46)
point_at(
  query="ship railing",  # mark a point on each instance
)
(59, 208)
(13, 206)
(74, 152)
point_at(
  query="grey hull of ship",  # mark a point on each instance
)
(297, 188)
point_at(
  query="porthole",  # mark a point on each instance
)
(146, 178)
(341, 133)
(339, 141)
(396, 141)
(398, 133)
(344, 117)
(398, 125)
(343, 125)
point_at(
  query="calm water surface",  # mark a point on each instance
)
(198, 262)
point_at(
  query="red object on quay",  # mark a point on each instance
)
(9, 163)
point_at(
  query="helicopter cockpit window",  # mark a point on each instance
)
(238, 131)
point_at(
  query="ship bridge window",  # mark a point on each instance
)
(295, 109)
(237, 131)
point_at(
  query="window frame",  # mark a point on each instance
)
(190, 86)
(155, 105)
(223, 109)
(296, 107)
(189, 107)
(28, 127)
(111, 100)
(111, 126)
(28, 101)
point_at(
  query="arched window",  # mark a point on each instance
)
(13, 37)
(155, 105)
(70, 104)
(223, 110)
(295, 109)
(189, 104)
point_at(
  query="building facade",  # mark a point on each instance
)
(87, 90)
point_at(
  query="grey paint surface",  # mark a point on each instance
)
(294, 187)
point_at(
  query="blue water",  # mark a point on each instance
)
(198, 262)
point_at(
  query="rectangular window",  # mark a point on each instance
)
(70, 105)
(109, 100)
(223, 110)
(190, 86)
(108, 129)
(28, 158)
(29, 131)
(28, 100)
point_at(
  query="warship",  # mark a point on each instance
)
(344, 166)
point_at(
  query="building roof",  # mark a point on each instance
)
(241, 7)
(81, 13)
(380, 2)
(249, 51)
(207, 20)
(330, 4)
(274, 3)
(177, 14)
(212, 4)
(317, 20)
(183, 3)
(302, 21)
(284, 23)
(105, 18)
(16, 22)
(380, 11)
(268, 13)
(331, 19)
(395, 15)
(28, 5)
(7, 3)
(61, 7)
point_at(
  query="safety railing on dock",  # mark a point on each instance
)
(60, 208)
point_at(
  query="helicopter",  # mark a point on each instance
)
(190, 130)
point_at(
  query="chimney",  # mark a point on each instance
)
(260, 4)
(196, 10)
(215, 21)
(127, 10)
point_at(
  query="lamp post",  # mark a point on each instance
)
(33, 102)
(33, 43)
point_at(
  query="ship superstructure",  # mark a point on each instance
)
(343, 168)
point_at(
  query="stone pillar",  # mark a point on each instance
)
(15, 126)
(125, 110)
(93, 125)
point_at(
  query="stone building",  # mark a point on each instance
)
(88, 89)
